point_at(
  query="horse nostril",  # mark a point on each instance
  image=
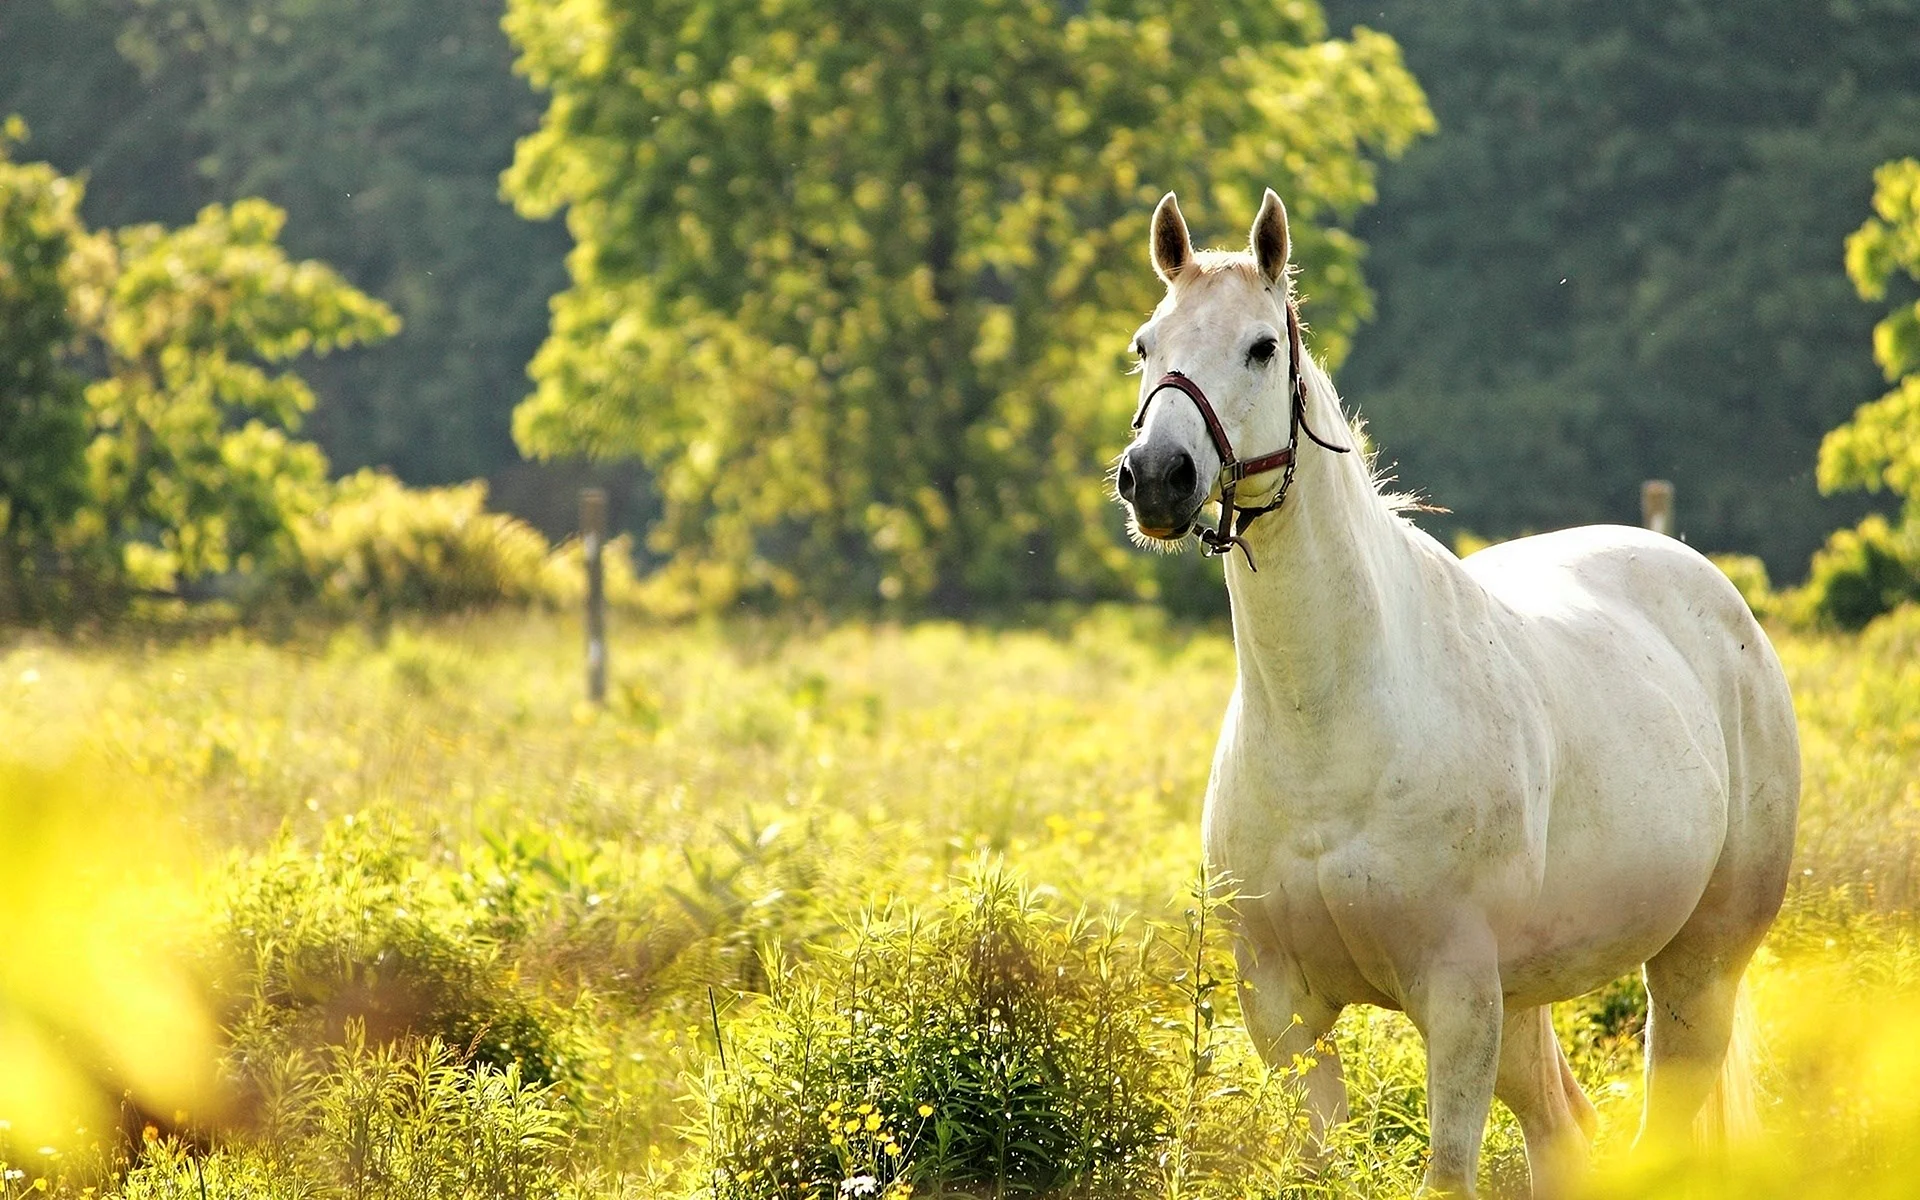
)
(1181, 477)
(1124, 481)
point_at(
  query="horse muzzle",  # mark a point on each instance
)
(1161, 484)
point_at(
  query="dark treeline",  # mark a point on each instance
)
(1619, 258)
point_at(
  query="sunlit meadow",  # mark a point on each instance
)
(826, 911)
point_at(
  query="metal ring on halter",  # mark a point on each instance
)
(1235, 518)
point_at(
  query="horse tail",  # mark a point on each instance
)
(1731, 1113)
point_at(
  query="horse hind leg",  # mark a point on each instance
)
(1692, 1003)
(1536, 1082)
(1693, 984)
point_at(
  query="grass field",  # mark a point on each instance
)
(808, 911)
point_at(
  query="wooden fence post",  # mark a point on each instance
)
(593, 538)
(1656, 505)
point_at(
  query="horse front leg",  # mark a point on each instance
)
(1456, 1004)
(1286, 1020)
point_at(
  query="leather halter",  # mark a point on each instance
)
(1234, 518)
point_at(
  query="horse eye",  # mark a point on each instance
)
(1263, 350)
(1136, 349)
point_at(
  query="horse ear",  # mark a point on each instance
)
(1269, 239)
(1172, 248)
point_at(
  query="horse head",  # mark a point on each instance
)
(1218, 372)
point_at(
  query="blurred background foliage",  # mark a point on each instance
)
(1618, 256)
(153, 426)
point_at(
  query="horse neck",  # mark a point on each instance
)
(1313, 624)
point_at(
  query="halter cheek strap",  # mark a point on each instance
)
(1234, 518)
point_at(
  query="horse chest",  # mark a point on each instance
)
(1334, 864)
(1303, 895)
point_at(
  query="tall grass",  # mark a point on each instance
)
(796, 877)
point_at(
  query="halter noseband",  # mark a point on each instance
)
(1234, 518)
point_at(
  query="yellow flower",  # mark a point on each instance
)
(852, 1124)
(893, 1149)
(873, 1122)
(926, 1110)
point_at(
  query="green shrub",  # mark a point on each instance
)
(365, 934)
(992, 1047)
(382, 546)
(400, 1121)
(1862, 572)
(989, 1045)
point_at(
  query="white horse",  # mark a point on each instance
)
(1463, 789)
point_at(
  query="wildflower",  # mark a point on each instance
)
(150, 1134)
(852, 1124)
(873, 1122)
(893, 1149)
(859, 1185)
(926, 1110)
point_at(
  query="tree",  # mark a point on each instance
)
(94, 117)
(192, 469)
(43, 413)
(1875, 566)
(856, 280)
(380, 126)
(1880, 446)
(382, 129)
(1616, 260)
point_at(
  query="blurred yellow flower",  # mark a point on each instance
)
(90, 1004)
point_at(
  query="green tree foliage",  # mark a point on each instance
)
(1617, 259)
(380, 127)
(193, 472)
(1862, 572)
(1881, 444)
(43, 415)
(856, 280)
